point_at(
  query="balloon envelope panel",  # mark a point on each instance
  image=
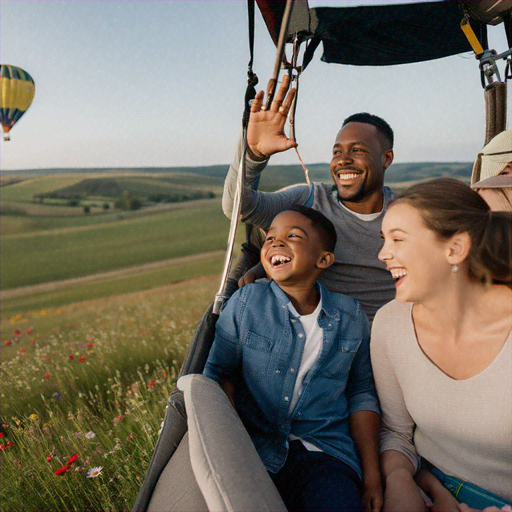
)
(17, 90)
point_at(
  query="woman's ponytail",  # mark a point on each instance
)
(492, 258)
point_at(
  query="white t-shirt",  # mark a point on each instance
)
(367, 217)
(312, 347)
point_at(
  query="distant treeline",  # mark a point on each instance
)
(398, 172)
(114, 189)
(182, 196)
(148, 186)
(427, 170)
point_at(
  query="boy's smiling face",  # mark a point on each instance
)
(293, 252)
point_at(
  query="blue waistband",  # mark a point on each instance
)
(466, 492)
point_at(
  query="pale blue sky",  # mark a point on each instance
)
(122, 83)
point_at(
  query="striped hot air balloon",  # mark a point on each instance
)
(17, 90)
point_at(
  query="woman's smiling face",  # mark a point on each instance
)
(414, 254)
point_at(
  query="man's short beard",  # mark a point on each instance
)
(358, 196)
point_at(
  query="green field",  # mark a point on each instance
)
(25, 190)
(140, 184)
(38, 257)
(94, 332)
(51, 242)
(93, 336)
(90, 379)
(174, 271)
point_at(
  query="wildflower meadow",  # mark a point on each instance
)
(83, 395)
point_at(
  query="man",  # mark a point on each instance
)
(356, 203)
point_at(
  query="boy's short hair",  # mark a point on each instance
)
(321, 223)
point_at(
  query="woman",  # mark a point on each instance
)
(441, 352)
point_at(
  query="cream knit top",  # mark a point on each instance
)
(463, 427)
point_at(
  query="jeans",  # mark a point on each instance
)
(317, 481)
(465, 492)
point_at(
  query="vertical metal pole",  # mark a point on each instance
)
(220, 297)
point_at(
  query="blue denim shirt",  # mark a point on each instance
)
(258, 345)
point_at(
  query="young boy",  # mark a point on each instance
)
(297, 358)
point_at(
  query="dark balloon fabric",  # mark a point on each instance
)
(376, 35)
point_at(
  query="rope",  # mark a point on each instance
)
(295, 79)
(221, 296)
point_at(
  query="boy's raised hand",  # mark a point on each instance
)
(265, 133)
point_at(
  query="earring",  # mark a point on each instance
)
(455, 268)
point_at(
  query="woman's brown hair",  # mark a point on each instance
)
(448, 206)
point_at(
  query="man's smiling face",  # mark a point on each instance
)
(358, 163)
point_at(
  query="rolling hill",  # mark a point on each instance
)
(46, 237)
(209, 178)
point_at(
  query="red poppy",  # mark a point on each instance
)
(151, 385)
(90, 345)
(46, 375)
(10, 443)
(23, 350)
(119, 418)
(8, 342)
(81, 359)
(3, 446)
(63, 469)
(49, 458)
(71, 356)
(2, 434)
(72, 458)
(29, 330)
(17, 332)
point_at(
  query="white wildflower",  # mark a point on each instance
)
(94, 472)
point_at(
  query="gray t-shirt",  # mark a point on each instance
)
(356, 272)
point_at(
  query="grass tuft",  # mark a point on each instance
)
(91, 379)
